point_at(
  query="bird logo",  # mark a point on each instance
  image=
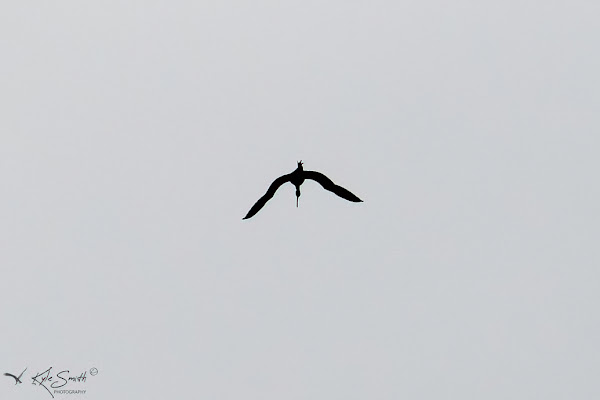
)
(17, 378)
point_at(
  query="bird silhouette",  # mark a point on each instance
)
(296, 178)
(17, 378)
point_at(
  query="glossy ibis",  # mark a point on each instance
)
(296, 178)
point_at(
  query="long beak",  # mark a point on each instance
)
(297, 201)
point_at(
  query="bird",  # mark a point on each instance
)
(17, 378)
(296, 178)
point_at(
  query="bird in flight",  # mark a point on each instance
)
(296, 178)
(17, 378)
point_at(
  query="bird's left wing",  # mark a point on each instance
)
(267, 196)
(17, 380)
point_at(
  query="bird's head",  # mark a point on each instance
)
(300, 163)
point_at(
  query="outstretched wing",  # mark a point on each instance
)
(329, 185)
(12, 376)
(270, 192)
(19, 378)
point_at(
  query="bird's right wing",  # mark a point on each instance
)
(267, 196)
(19, 378)
(332, 187)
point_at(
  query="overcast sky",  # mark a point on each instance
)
(134, 136)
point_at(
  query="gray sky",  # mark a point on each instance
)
(136, 135)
